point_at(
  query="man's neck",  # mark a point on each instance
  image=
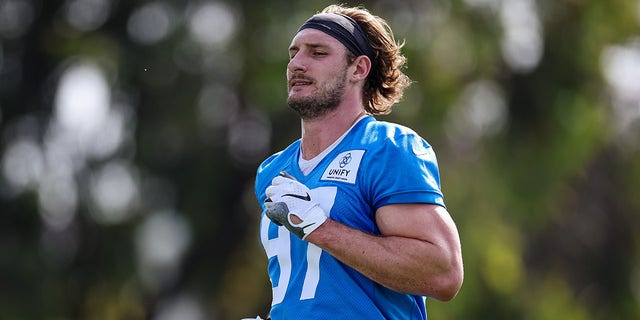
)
(318, 134)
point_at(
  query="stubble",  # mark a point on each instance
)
(326, 99)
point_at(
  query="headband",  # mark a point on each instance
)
(344, 29)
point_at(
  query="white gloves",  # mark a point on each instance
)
(286, 199)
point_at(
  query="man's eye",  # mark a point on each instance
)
(319, 53)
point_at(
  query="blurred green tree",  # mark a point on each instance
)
(131, 131)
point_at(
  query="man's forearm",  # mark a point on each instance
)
(402, 264)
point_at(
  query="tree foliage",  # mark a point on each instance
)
(131, 131)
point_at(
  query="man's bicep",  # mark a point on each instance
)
(428, 222)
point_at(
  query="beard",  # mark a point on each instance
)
(319, 104)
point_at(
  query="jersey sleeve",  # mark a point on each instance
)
(271, 167)
(404, 170)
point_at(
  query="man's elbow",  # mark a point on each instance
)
(449, 285)
(451, 288)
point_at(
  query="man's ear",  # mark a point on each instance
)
(362, 68)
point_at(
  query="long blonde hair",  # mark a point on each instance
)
(386, 82)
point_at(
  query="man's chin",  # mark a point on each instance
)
(298, 98)
(310, 112)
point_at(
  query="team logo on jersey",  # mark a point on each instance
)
(345, 160)
(344, 167)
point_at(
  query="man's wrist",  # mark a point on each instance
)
(319, 235)
(319, 220)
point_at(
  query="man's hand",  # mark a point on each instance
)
(289, 204)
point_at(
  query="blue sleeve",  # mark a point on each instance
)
(271, 167)
(404, 170)
(264, 174)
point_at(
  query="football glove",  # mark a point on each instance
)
(289, 204)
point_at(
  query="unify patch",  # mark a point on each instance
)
(344, 167)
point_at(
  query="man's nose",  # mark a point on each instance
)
(296, 64)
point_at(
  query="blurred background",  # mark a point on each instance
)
(130, 132)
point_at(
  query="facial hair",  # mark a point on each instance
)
(319, 104)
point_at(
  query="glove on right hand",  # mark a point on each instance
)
(289, 204)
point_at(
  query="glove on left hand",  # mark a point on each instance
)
(286, 199)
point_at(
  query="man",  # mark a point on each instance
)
(354, 222)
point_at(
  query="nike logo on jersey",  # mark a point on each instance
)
(305, 198)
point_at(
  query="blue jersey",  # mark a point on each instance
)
(376, 164)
